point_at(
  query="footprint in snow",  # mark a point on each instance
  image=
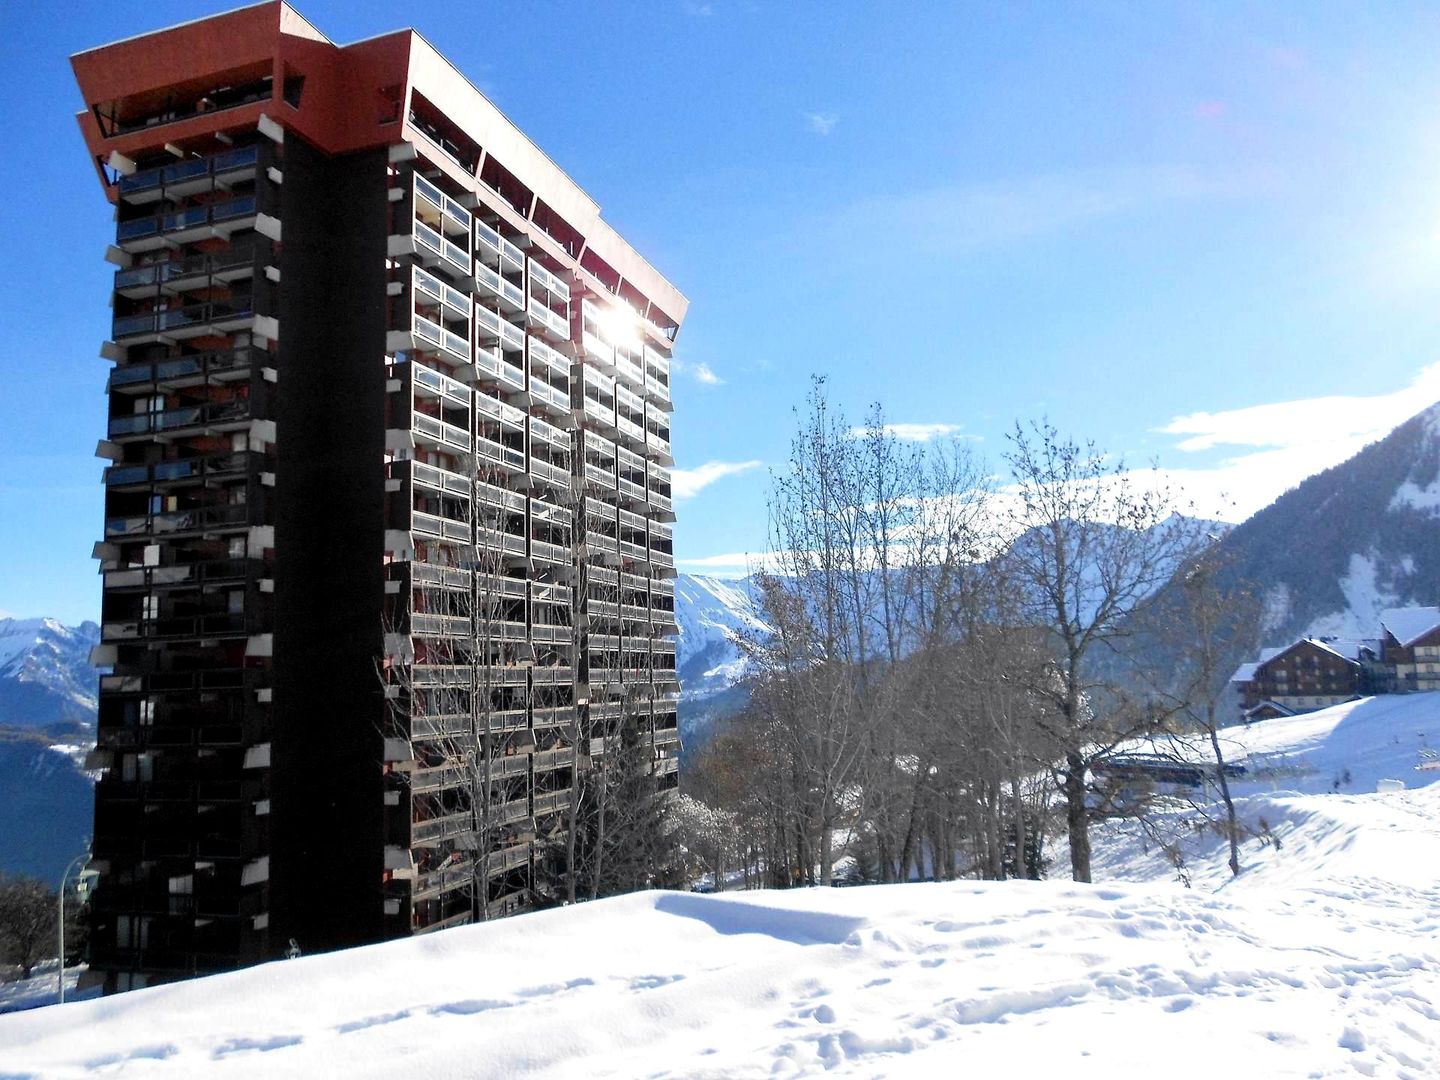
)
(263, 1044)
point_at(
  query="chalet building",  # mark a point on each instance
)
(1411, 647)
(1309, 674)
(1314, 673)
(387, 554)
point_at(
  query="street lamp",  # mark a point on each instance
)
(77, 861)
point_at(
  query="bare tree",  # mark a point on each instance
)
(1095, 543)
(27, 921)
(1210, 644)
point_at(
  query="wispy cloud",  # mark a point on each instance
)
(918, 432)
(687, 483)
(698, 370)
(730, 565)
(967, 217)
(1287, 440)
(698, 10)
(1308, 420)
(821, 123)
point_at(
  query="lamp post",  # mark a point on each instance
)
(79, 860)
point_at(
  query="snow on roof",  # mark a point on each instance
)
(1270, 654)
(1333, 647)
(1245, 672)
(1410, 624)
(1352, 648)
(1268, 704)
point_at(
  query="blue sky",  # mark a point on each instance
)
(1207, 234)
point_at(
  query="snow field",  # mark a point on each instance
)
(1321, 960)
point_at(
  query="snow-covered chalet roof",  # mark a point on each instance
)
(1410, 624)
(1245, 672)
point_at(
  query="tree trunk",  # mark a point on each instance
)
(1077, 817)
(1232, 827)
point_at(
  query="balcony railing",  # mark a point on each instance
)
(440, 479)
(221, 164)
(216, 466)
(200, 366)
(440, 431)
(439, 383)
(487, 243)
(231, 413)
(199, 267)
(552, 801)
(545, 470)
(507, 456)
(547, 280)
(195, 520)
(219, 624)
(439, 527)
(194, 217)
(547, 552)
(220, 316)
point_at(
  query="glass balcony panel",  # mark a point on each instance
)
(234, 208)
(429, 285)
(429, 238)
(429, 191)
(237, 159)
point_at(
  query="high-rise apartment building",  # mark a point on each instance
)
(387, 549)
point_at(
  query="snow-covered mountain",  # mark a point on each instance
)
(1332, 553)
(711, 611)
(46, 681)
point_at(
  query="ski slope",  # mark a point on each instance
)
(1321, 960)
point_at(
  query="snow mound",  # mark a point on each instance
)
(1322, 959)
(1282, 976)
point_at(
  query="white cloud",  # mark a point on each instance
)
(917, 432)
(698, 10)
(734, 565)
(1292, 440)
(1308, 420)
(687, 483)
(700, 371)
(822, 123)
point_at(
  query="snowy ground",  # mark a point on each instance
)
(39, 990)
(1322, 960)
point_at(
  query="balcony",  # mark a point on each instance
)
(549, 280)
(173, 276)
(552, 802)
(190, 177)
(439, 528)
(555, 475)
(185, 226)
(511, 858)
(511, 253)
(435, 384)
(438, 433)
(487, 244)
(509, 458)
(512, 297)
(544, 551)
(224, 365)
(216, 417)
(229, 466)
(552, 674)
(213, 318)
(452, 217)
(437, 479)
(555, 326)
(224, 517)
(550, 760)
(184, 576)
(215, 625)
